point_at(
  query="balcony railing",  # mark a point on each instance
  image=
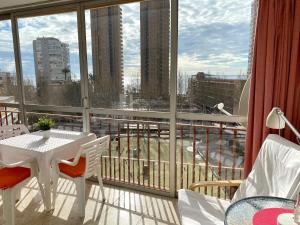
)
(214, 152)
(9, 116)
(138, 152)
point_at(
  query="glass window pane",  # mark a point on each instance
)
(138, 152)
(208, 151)
(50, 59)
(8, 81)
(128, 55)
(62, 121)
(213, 54)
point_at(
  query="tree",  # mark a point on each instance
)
(66, 70)
(180, 83)
(92, 79)
(71, 93)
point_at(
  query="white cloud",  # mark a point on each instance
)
(223, 64)
(213, 36)
(205, 12)
(6, 41)
(7, 64)
(131, 39)
(61, 26)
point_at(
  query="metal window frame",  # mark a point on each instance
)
(51, 6)
(18, 64)
(173, 95)
(79, 7)
(83, 67)
(5, 17)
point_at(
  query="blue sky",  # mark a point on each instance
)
(213, 37)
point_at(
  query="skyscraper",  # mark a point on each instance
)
(106, 33)
(51, 60)
(155, 16)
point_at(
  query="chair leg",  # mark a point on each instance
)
(80, 185)
(100, 183)
(18, 194)
(9, 206)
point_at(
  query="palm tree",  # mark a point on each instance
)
(65, 71)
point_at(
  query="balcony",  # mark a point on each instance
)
(122, 206)
(138, 156)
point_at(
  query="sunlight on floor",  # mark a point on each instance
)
(122, 207)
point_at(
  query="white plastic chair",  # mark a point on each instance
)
(12, 178)
(84, 165)
(12, 131)
(276, 172)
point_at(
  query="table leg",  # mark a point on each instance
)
(44, 180)
(47, 192)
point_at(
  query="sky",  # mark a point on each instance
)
(213, 38)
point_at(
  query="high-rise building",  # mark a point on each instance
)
(205, 91)
(155, 17)
(107, 52)
(52, 60)
(7, 79)
(8, 87)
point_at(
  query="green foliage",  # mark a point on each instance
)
(44, 123)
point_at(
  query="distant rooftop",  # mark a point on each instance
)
(7, 99)
(214, 76)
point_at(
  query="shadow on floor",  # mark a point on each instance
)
(122, 207)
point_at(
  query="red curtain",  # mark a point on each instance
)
(275, 77)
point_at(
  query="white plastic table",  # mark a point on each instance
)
(61, 144)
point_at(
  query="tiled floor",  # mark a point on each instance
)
(122, 207)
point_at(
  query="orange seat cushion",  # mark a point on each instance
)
(73, 171)
(9, 177)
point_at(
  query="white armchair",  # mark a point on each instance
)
(12, 178)
(83, 166)
(276, 172)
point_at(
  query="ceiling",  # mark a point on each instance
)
(14, 3)
(6, 5)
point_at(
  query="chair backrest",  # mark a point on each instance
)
(276, 171)
(92, 151)
(12, 131)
